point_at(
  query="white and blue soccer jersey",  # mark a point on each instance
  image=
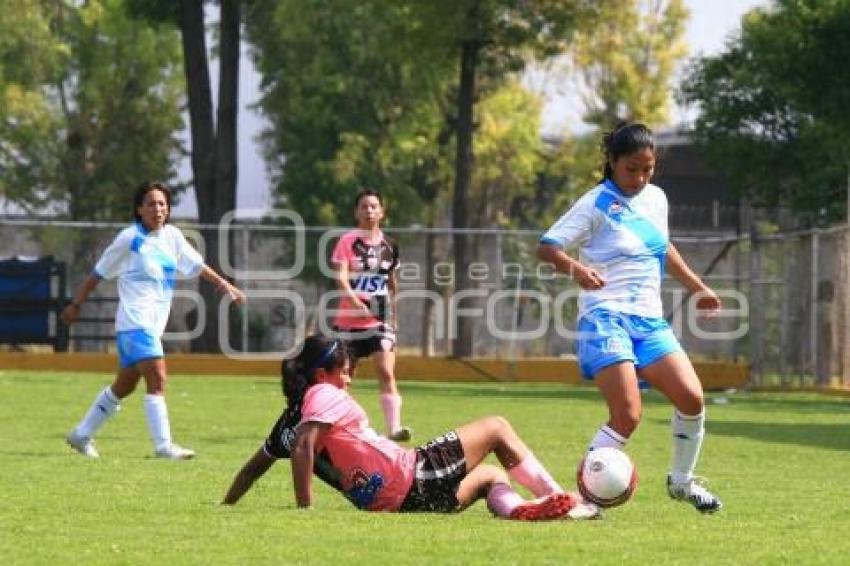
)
(623, 238)
(146, 264)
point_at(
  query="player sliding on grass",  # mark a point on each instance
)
(327, 432)
(620, 228)
(146, 258)
(366, 261)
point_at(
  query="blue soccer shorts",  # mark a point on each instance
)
(606, 338)
(135, 346)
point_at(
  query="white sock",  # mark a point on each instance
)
(502, 500)
(607, 437)
(104, 406)
(531, 474)
(688, 432)
(156, 413)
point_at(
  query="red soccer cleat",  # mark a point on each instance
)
(554, 506)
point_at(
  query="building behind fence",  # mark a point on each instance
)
(785, 294)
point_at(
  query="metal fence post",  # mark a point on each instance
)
(756, 307)
(813, 304)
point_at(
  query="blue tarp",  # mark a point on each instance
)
(24, 299)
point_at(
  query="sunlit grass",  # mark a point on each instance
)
(779, 461)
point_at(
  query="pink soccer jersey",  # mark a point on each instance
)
(376, 473)
(370, 263)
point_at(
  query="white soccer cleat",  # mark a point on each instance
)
(175, 452)
(585, 510)
(82, 444)
(694, 492)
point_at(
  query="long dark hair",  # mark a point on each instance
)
(625, 139)
(142, 191)
(298, 373)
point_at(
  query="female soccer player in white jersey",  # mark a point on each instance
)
(366, 260)
(145, 257)
(620, 229)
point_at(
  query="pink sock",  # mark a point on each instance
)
(531, 474)
(502, 500)
(391, 405)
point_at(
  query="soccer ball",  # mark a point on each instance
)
(607, 477)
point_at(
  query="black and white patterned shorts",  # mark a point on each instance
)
(440, 467)
(362, 343)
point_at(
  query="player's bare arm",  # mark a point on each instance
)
(344, 285)
(71, 313)
(253, 469)
(707, 299)
(223, 285)
(587, 278)
(303, 453)
(392, 288)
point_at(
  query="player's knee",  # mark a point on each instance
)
(692, 405)
(498, 426)
(385, 374)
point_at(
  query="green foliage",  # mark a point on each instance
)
(354, 98)
(100, 112)
(627, 61)
(365, 92)
(773, 105)
(508, 32)
(768, 455)
(508, 154)
(626, 64)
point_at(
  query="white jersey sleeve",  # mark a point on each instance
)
(116, 257)
(576, 226)
(189, 260)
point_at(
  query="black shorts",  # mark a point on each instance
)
(440, 467)
(363, 342)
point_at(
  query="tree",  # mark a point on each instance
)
(509, 155)
(624, 69)
(627, 61)
(349, 110)
(346, 110)
(773, 106)
(90, 107)
(491, 40)
(214, 140)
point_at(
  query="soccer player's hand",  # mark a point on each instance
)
(708, 303)
(362, 309)
(587, 278)
(233, 292)
(70, 314)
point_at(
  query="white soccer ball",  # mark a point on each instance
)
(607, 477)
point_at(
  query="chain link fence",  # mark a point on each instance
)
(786, 311)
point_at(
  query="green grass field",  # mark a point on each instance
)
(779, 461)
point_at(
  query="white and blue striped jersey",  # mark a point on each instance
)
(146, 264)
(623, 238)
